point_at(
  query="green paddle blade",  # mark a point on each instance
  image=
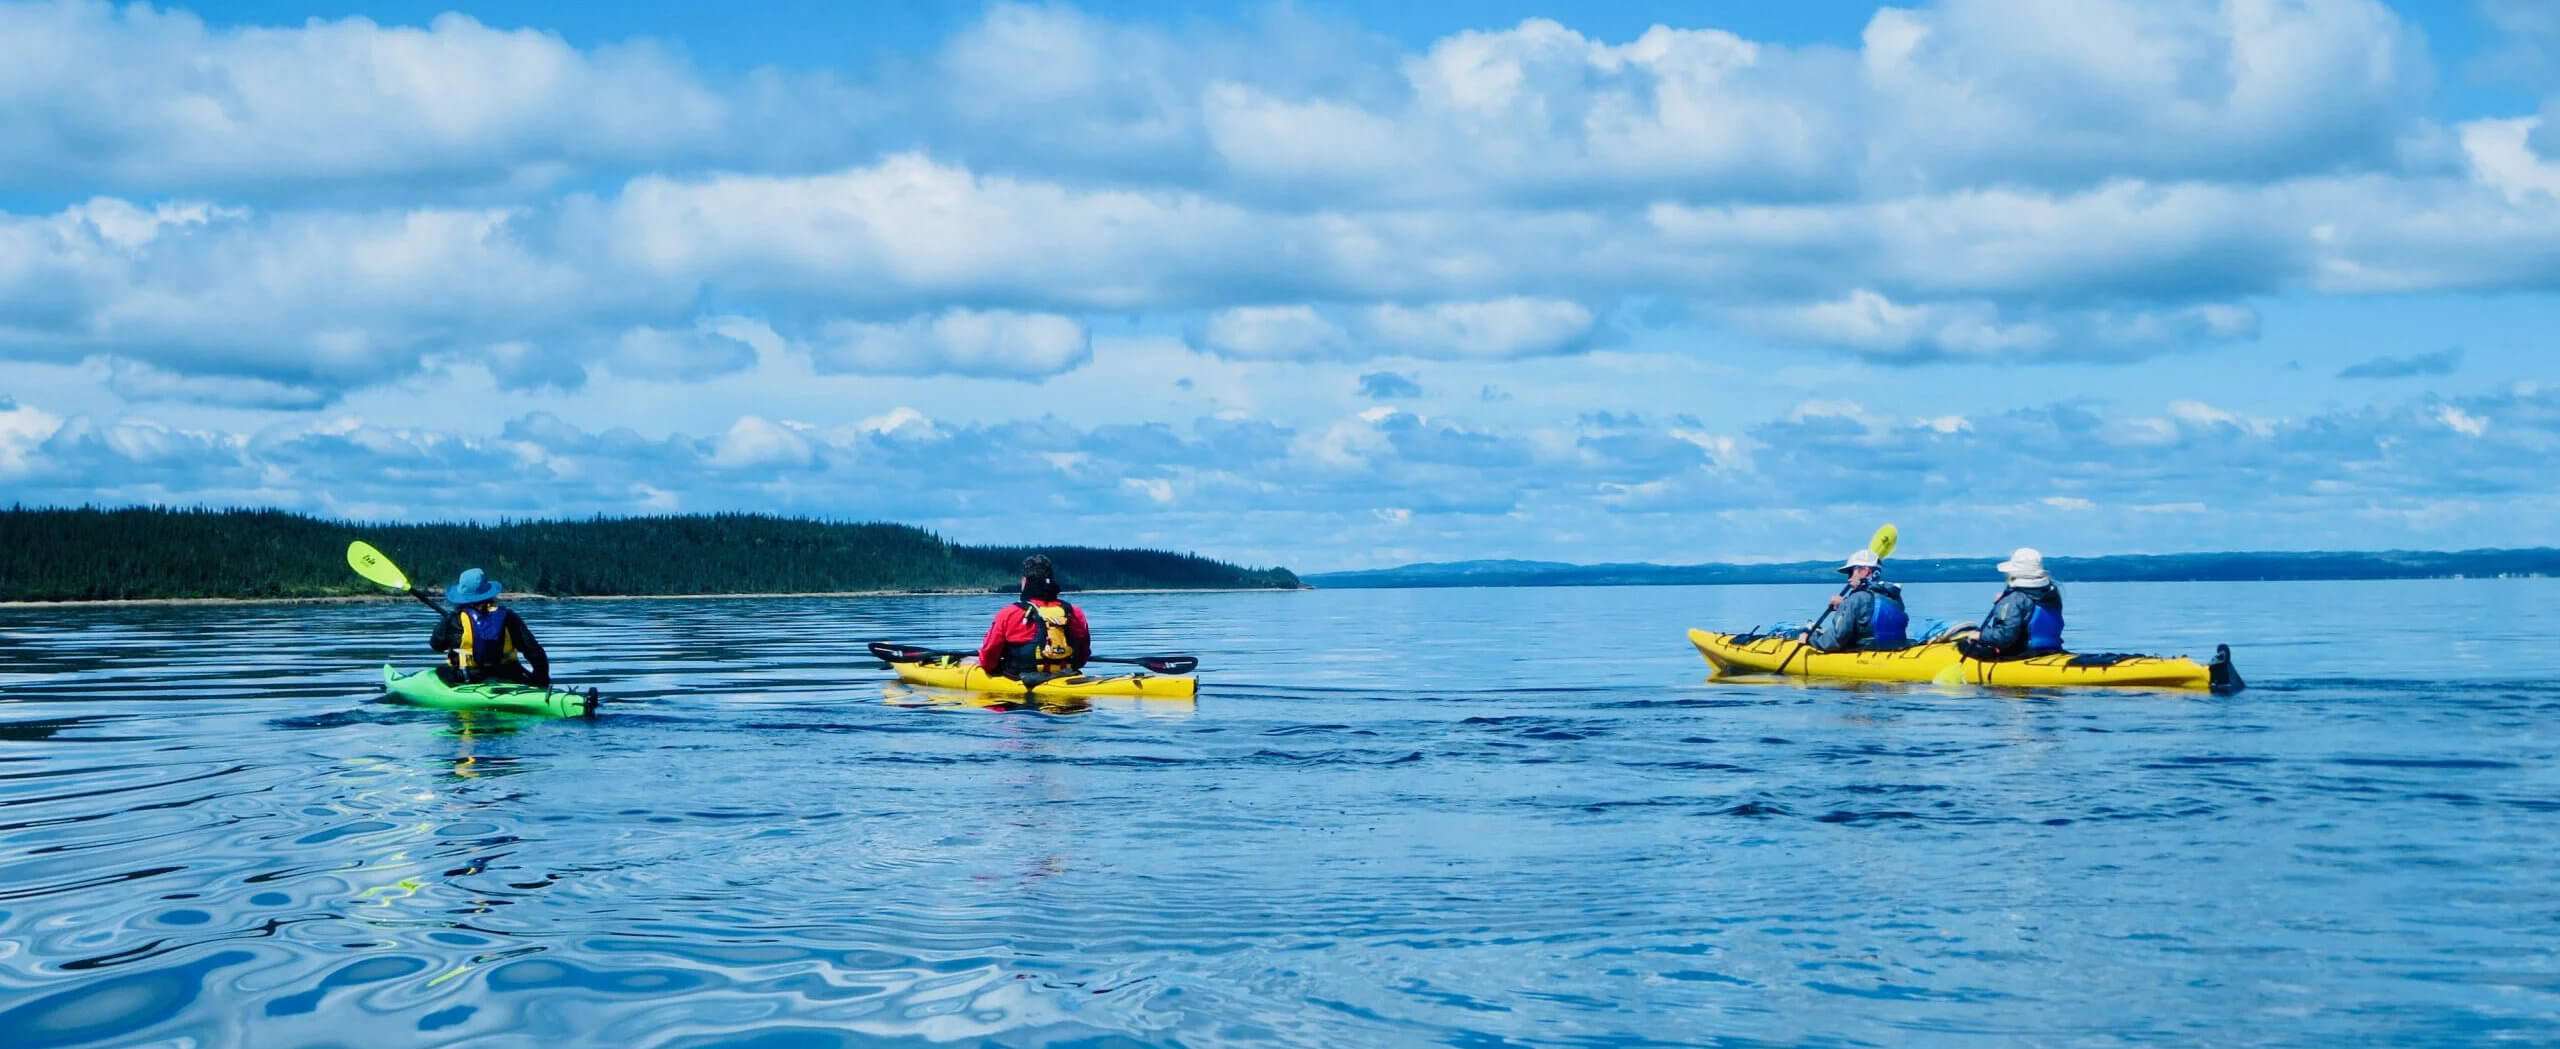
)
(1884, 541)
(369, 563)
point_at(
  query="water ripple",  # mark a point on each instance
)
(1476, 843)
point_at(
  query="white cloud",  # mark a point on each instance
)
(1491, 196)
(998, 344)
(314, 298)
(1636, 485)
(2462, 422)
(137, 381)
(22, 429)
(2027, 91)
(909, 228)
(711, 348)
(186, 105)
(755, 442)
(2502, 156)
(901, 418)
(1284, 333)
(1541, 109)
(1499, 329)
(1869, 323)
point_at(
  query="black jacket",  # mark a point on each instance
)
(448, 636)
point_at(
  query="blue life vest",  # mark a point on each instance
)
(485, 644)
(1049, 651)
(2044, 624)
(1892, 623)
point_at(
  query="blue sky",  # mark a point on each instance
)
(1319, 284)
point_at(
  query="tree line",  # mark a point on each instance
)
(61, 554)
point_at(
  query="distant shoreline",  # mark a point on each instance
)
(351, 599)
(2234, 566)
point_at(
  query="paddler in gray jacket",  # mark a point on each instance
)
(1868, 615)
(2026, 619)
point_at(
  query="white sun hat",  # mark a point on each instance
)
(2025, 567)
(1862, 559)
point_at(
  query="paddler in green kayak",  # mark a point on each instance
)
(482, 638)
(1867, 613)
(1039, 634)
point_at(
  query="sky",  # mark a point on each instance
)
(1322, 284)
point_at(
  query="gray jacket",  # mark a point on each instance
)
(1853, 624)
(2006, 630)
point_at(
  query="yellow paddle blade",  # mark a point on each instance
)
(1884, 540)
(369, 563)
(1951, 674)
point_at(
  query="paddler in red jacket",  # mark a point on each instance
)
(1039, 634)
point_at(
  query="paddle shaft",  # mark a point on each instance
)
(1801, 643)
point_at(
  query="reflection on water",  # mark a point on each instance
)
(1418, 817)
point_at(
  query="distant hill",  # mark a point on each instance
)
(2389, 564)
(90, 554)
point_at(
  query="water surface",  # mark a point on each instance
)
(1439, 817)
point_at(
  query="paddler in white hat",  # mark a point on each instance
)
(1867, 613)
(2026, 620)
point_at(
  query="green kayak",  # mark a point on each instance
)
(425, 689)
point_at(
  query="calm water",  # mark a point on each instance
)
(1457, 817)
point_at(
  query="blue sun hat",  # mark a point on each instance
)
(473, 588)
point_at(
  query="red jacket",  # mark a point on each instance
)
(1011, 628)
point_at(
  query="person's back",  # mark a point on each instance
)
(1870, 615)
(2026, 619)
(1041, 633)
(481, 639)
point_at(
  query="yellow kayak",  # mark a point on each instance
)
(945, 672)
(1940, 662)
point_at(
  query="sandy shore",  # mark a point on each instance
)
(344, 599)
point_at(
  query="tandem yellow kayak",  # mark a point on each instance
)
(1732, 654)
(947, 672)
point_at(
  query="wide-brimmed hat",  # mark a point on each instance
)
(2025, 567)
(1861, 559)
(473, 588)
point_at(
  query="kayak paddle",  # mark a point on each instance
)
(371, 564)
(1883, 542)
(889, 652)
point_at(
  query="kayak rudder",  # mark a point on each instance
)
(2221, 677)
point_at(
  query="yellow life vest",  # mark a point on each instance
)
(485, 640)
(1049, 651)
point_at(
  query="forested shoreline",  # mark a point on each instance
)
(142, 553)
